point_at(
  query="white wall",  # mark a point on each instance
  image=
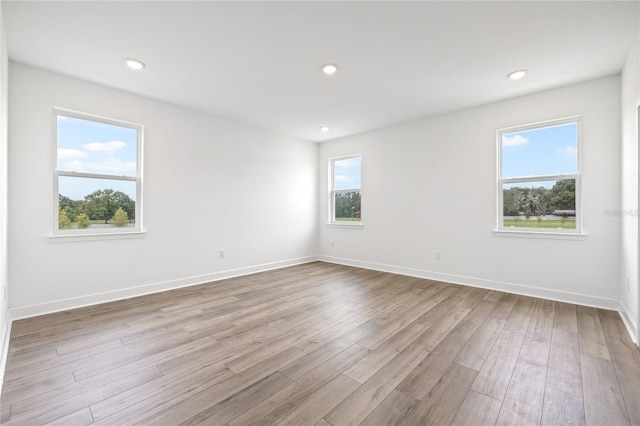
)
(209, 184)
(4, 303)
(431, 186)
(629, 211)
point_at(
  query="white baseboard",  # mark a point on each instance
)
(543, 293)
(5, 352)
(632, 327)
(110, 296)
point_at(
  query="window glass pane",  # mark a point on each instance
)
(546, 204)
(93, 147)
(346, 173)
(543, 151)
(99, 200)
(347, 206)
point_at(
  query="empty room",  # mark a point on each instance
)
(319, 213)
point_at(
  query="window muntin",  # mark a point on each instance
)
(97, 174)
(346, 193)
(539, 177)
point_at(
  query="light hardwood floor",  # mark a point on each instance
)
(323, 344)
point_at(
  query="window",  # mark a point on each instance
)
(97, 175)
(539, 177)
(346, 191)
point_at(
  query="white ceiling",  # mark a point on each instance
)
(259, 62)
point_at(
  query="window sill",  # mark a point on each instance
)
(541, 235)
(69, 238)
(356, 225)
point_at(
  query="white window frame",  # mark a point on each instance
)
(88, 233)
(501, 181)
(333, 192)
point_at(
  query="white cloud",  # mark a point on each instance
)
(76, 166)
(104, 146)
(346, 163)
(68, 153)
(343, 179)
(112, 165)
(514, 140)
(570, 152)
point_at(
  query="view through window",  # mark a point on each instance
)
(346, 189)
(97, 174)
(540, 177)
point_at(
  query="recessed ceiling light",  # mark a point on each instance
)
(517, 75)
(134, 64)
(324, 129)
(329, 68)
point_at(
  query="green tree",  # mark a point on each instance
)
(103, 204)
(123, 201)
(63, 220)
(83, 221)
(563, 195)
(120, 217)
(511, 201)
(71, 207)
(347, 204)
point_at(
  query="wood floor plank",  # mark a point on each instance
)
(523, 401)
(337, 331)
(315, 358)
(13, 395)
(495, 374)
(565, 317)
(387, 331)
(565, 371)
(323, 344)
(79, 418)
(163, 388)
(236, 404)
(53, 405)
(438, 331)
(603, 400)
(428, 373)
(520, 317)
(320, 402)
(281, 403)
(562, 409)
(475, 352)
(377, 359)
(477, 409)
(590, 333)
(441, 404)
(614, 330)
(182, 408)
(359, 404)
(626, 361)
(503, 309)
(537, 342)
(396, 409)
(269, 349)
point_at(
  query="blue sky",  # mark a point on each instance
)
(347, 173)
(92, 147)
(542, 151)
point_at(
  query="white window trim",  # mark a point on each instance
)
(332, 192)
(97, 234)
(549, 233)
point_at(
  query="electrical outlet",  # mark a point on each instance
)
(438, 256)
(333, 243)
(221, 254)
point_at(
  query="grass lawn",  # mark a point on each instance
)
(533, 223)
(348, 219)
